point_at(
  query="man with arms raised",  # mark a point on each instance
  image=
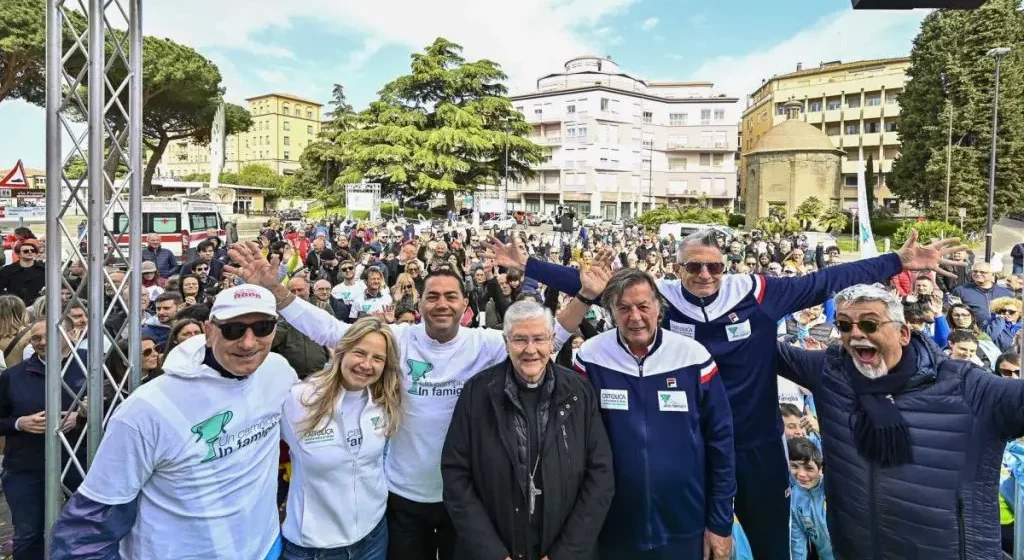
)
(437, 357)
(188, 465)
(735, 317)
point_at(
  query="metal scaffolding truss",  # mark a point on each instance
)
(93, 76)
(363, 197)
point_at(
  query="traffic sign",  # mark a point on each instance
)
(963, 212)
(15, 179)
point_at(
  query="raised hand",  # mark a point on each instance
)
(915, 256)
(253, 267)
(509, 255)
(594, 278)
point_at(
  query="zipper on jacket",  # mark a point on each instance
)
(961, 531)
(875, 550)
(704, 310)
(647, 467)
(565, 442)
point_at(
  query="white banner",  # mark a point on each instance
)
(867, 240)
(491, 205)
(359, 201)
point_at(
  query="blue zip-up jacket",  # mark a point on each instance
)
(979, 300)
(670, 429)
(1012, 471)
(807, 521)
(166, 263)
(738, 326)
(940, 506)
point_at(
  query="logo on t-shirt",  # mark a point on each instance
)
(210, 430)
(418, 370)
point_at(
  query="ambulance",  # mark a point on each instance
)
(182, 223)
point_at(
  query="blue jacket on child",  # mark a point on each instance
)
(807, 521)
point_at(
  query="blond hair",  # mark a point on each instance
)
(406, 277)
(385, 392)
(1004, 302)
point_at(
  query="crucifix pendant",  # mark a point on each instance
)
(534, 492)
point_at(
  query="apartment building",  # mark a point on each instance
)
(856, 104)
(618, 144)
(283, 125)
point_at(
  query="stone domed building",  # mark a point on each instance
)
(791, 163)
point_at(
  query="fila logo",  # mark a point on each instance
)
(671, 382)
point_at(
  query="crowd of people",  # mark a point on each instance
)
(346, 389)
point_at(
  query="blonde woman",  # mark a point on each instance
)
(404, 291)
(336, 424)
(13, 329)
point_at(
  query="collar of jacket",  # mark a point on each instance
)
(697, 300)
(651, 349)
(929, 355)
(511, 387)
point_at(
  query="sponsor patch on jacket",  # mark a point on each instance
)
(670, 382)
(738, 331)
(615, 399)
(319, 438)
(734, 317)
(672, 401)
(682, 328)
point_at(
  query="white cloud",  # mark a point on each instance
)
(603, 31)
(615, 41)
(557, 29)
(649, 23)
(847, 35)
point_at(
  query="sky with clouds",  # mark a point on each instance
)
(305, 46)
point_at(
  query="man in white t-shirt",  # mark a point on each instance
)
(350, 284)
(187, 468)
(437, 358)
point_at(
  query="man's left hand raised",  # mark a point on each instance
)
(915, 256)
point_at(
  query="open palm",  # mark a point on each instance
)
(509, 255)
(253, 267)
(915, 256)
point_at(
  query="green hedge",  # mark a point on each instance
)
(737, 220)
(926, 231)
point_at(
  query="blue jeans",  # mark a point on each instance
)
(373, 546)
(25, 496)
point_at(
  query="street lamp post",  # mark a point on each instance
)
(949, 142)
(650, 176)
(998, 53)
(504, 212)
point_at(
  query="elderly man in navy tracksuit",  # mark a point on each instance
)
(735, 317)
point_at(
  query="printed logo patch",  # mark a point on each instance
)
(738, 331)
(319, 438)
(670, 382)
(615, 399)
(734, 317)
(673, 401)
(682, 328)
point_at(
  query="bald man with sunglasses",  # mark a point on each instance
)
(188, 465)
(735, 317)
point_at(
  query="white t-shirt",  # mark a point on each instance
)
(433, 374)
(338, 491)
(348, 293)
(200, 451)
(368, 306)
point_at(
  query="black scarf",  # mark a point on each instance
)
(881, 434)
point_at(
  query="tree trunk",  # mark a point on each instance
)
(154, 159)
(449, 200)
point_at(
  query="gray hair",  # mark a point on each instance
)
(707, 237)
(872, 292)
(526, 310)
(624, 279)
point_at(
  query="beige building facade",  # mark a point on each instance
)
(283, 125)
(856, 105)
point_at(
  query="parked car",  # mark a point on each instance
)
(500, 223)
(533, 219)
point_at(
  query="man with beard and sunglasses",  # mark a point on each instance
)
(188, 465)
(736, 318)
(914, 438)
(438, 357)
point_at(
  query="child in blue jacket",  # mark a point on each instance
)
(807, 501)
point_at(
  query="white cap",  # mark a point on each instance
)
(240, 300)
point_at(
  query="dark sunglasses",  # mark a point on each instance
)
(148, 352)
(235, 331)
(694, 267)
(1009, 372)
(27, 251)
(865, 326)
(1007, 311)
(346, 268)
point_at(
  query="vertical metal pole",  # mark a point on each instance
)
(134, 193)
(54, 52)
(949, 158)
(504, 205)
(992, 166)
(97, 241)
